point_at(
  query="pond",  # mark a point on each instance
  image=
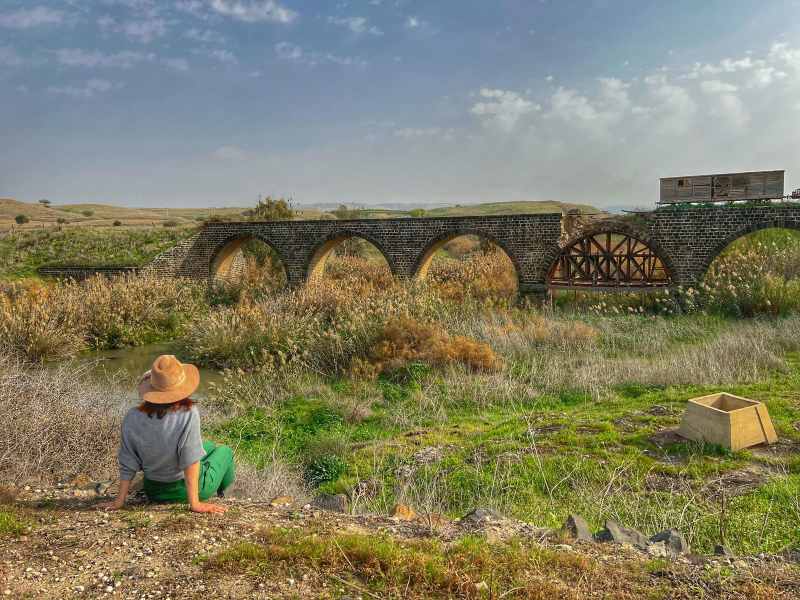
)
(126, 366)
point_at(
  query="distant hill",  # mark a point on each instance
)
(104, 215)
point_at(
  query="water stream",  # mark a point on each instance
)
(126, 365)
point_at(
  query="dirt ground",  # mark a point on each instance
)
(71, 549)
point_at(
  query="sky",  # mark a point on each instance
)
(383, 102)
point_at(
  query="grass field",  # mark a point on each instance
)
(450, 395)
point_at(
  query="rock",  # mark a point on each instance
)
(281, 502)
(614, 532)
(101, 487)
(673, 541)
(577, 528)
(403, 512)
(658, 550)
(331, 502)
(722, 550)
(481, 516)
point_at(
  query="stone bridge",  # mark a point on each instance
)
(665, 247)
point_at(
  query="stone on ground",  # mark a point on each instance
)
(673, 541)
(332, 502)
(577, 528)
(403, 512)
(614, 532)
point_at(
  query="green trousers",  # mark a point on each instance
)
(216, 474)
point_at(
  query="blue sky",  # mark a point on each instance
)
(212, 102)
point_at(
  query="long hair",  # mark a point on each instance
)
(159, 410)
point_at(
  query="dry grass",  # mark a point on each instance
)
(57, 425)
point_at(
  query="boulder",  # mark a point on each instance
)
(482, 516)
(331, 502)
(577, 528)
(614, 532)
(723, 550)
(673, 541)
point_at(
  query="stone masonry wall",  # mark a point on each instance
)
(687, 238)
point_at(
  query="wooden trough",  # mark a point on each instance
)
(727, 420)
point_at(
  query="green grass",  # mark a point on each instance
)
(541, 457)
(11, 524)
(21, 253)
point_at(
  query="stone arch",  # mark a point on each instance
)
(226, 258)
(318, 257)
(718, 248)
(424, 258)
(644, 245)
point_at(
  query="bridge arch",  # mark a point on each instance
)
(721, 246)
(319, 255)
(227, 258)
(424, 259)
(608, 258)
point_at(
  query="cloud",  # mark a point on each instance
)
(204, 36)
(355, 24)
(28, 18)
(502, 108)
(143, 31)
(90, 89)
(75, 57)
(254, 11)
(294, 53)
(413, 22)
(229, 154)
(224, 56)
(715, 86)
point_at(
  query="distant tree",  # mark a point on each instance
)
(21, 219)
(417, 212)
(346, 212)
(87, 213)
(271, 209)
(169, 223)
(45, 202)
(61, 220)
(117, 223)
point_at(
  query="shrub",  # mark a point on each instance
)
(61, 220)
(404, 341)
(21, 219)
(87, 213)
(170, 223)
(117, 223)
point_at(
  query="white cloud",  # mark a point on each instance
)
(143, 31)
(75, 57)
(28, 18)
(230, 154)
(224, 56)
(90, 89)
(502, 108)
(254, 11)
(715, 86)
(355, 24)
(204, 36)
(294, 53)
(766, 76)
(413, 22)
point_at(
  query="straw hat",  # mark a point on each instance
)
(168, 381)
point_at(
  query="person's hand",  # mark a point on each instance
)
(113, 505)
(207, 507)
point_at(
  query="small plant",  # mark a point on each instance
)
(10, 524)
(21, 219)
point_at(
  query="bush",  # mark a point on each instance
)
(117, 223)
(62, 425)
(170, 223)
(87, 213)
(21, 219)
(61, 220)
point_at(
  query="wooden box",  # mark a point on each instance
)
(727, 420)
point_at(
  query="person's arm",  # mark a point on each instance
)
(122, 494)
(191, 475)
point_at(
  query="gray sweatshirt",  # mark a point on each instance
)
(162, 448)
